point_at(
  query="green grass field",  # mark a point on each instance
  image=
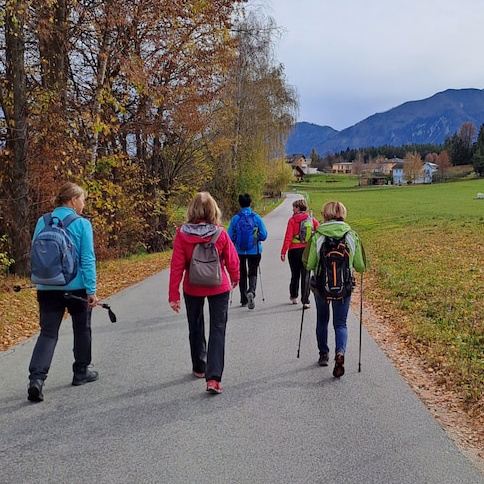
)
(425, 250)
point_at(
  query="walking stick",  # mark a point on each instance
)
(304, 298)
(361, 322)
(260, 283)
(112, 316)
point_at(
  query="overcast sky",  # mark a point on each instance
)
(349, 59)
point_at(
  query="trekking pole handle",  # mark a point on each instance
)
(112, 316)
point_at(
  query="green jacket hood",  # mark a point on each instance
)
(333, 229)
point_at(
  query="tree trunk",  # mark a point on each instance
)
(16, 143)
(53, 38)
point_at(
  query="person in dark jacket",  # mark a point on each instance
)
(52, 303)
(203, 220)
(294, 249)
(249, 257)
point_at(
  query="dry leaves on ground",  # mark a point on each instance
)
(466, 431)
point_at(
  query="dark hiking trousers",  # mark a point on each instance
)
(210, 362)
(298, 274)
(52, 306)
(248, 273)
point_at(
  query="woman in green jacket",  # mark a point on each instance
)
(335, 227)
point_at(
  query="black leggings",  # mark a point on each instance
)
(248, 275)
(52, 305)
(298, 274)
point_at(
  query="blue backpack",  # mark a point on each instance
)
(53, 257)
(245, 232)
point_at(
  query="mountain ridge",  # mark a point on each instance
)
(427, 121)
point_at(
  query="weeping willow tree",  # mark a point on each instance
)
(259, 112)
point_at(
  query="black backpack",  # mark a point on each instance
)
(333, 278)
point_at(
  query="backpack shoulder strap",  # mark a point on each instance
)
(69, 219)
(216, 235)
(47, 219)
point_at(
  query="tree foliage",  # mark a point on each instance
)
(460, 146)
(478, 158)
(259, 112)
(412, 167)
(370, 154)
(142, 103)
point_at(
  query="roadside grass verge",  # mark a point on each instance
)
(19, 317)
(425, 249)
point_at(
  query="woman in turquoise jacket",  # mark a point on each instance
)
(334, 226)
(53, 303)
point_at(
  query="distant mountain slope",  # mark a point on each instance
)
(427, 121)
(306, 135)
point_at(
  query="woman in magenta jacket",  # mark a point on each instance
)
(294, 249)
(203, 220)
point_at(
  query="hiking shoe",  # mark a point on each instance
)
(250, 300)
(82, 378)
(198, 374)
(293, 300)
(339, 365)
(323, 359)
(214, 387)
(34, 391)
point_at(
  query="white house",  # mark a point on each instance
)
(428, 171)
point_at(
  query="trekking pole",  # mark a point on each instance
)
(19, 288)
(300, 332)
(112, 316)
(361, 322)
(260, 283)
(304, 298)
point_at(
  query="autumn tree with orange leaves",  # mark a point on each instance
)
(412, 167)
(130, 99)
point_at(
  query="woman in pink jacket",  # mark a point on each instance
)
(203, 220)
(295, 247)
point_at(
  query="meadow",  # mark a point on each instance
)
(425, 251)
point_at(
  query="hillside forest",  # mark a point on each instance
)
(141, 103)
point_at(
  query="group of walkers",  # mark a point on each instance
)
(239, 251)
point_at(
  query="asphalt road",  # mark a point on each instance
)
(280, 419)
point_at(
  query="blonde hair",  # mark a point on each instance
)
(67, 191)
(334, 211)
(301, 204)
(203, 207)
